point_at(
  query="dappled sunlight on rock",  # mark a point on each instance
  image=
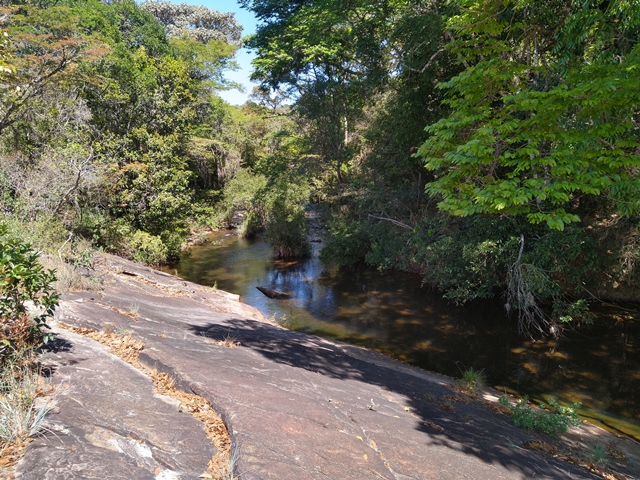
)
(530, 367)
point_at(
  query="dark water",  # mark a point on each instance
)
(598, 365)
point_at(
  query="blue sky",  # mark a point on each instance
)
(243, 57)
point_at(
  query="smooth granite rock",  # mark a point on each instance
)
(109, 424)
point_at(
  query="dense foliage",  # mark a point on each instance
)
(545, 116)
(531, 143)
(110, 124)
(24, 284)
(489, 145)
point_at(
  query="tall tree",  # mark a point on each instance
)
(197, 22)
(44, 44)
(326, 53)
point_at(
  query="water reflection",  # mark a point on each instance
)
(598, 366)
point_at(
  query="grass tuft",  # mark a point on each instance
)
(473, 379)
(20, 387)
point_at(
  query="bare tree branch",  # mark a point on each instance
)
(391, 220)
(428, 64)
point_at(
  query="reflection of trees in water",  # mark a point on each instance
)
(597, 365)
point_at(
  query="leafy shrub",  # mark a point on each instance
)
(119, 237)
(287, 233)
(104, 232)
(43, 233)
(286, 225)
(347, 243)
(552, 420)
(147, 248)
(22, 281)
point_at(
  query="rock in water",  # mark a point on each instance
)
(273, 293)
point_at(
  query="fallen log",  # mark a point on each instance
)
(273, 293)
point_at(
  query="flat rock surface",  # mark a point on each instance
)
(108, 424)
(297, 406)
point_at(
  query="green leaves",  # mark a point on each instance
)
(23, 280)
(532, 131)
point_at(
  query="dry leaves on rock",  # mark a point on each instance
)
(129, 350)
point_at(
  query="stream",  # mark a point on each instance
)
(597, 365)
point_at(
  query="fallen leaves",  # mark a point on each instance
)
(10, 455)
(224, 343)
(541, 446)
(615, 453)
(577, 459)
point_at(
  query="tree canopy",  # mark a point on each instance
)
(100, 106)
(531, 139)
(195, 22)
(546, 113)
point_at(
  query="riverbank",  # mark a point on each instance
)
(296, 406)
(393, 313)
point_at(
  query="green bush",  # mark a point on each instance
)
(119, 237)
(286, 224)
(552, 418)
(147, 248)
(44, 233)
(348, 242)
(23, 281)
(287, 231)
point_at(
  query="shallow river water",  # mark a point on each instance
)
(597, 365)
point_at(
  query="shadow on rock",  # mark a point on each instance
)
(442, 417)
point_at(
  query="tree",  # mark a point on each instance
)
(326, 53)
(145, 114)
(544, 116)
(272, 99)
(207, 39)
(43, 44)
(542, 129)
(196, 22)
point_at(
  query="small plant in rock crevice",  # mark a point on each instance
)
(20, 385)
(597, 453)
(473, 379)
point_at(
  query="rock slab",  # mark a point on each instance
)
(108, 424)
